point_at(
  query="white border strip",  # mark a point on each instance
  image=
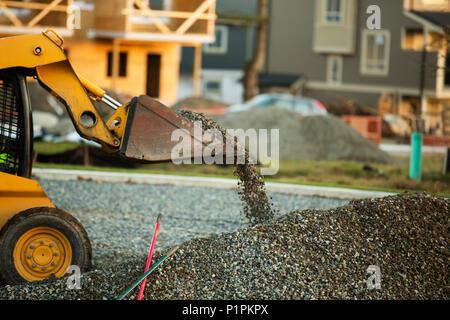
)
(146, 36)
(219, 183)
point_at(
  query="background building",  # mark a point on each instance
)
(224, 60)
(131, 45)
(329, 44)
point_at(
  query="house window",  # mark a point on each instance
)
(213, 87)
(375, 52)
(334, 69)
(333, 11)
(123, 59)
(220, 46)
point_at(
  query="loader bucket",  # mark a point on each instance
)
(148, 132)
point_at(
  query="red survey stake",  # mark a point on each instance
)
(150, 256)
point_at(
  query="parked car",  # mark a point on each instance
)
(305, 106)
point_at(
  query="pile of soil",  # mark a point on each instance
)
(196, 102)
(309, 137)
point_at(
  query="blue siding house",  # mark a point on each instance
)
(223, 61)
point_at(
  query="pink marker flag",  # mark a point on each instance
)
(150, 256)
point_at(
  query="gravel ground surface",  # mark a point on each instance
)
(120, 220)
(309, 254)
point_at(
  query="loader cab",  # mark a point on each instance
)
(16, 132)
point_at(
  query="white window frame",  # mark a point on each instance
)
(211, 48)
(331, 59)
(340, 13)
(364, 47)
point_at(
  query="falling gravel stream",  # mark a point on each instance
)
(251, 188)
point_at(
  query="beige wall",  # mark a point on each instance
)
(336, 37)
(427, 5)
(90, 60)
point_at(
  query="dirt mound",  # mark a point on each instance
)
(196, 102)
(309, 137)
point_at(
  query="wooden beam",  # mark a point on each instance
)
(129, 5)
(170, 14)
(194, 17)
(71, 22)
(149, 12)
(43, 13)
(34, 5)
(197, 68)
(115, 62)
(11, 16)
(211, 23)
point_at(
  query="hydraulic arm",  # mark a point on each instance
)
(140, 129)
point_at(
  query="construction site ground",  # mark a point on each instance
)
(120, 220)
(315, 248)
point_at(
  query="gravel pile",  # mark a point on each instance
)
(251, 187)
(320, 255)
(121, 224)
(309, 137)
(311, 254)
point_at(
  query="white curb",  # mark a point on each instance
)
(190, 181)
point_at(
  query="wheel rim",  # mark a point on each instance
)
(42, 252)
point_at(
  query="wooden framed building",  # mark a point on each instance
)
(129, 45)
(27, 17)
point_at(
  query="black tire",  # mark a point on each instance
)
(42, 217)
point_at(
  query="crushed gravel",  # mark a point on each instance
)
(120, 225)
(321, 255)
(309, 254)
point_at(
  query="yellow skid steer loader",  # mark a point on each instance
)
(38, 240)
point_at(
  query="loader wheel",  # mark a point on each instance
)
(42, 242)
